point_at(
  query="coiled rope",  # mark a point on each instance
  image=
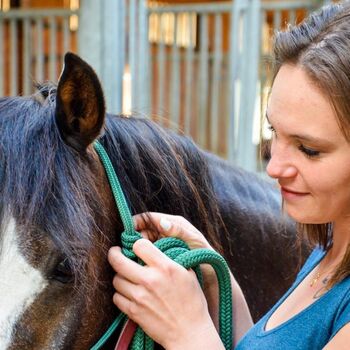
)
(178, 251)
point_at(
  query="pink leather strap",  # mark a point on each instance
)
(126, 335)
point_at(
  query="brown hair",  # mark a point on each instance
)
(321, 46)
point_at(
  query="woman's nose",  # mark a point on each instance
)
(281, 166)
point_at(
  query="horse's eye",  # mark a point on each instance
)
(63, 272)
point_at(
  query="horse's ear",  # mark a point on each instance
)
(80, 106)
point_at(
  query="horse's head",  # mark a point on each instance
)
(57, 216)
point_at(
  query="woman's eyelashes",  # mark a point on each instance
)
(309, 152)
(271, 128)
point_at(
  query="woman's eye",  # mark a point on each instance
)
(271, 128)
(309, 152)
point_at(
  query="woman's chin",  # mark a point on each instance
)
(301, 218)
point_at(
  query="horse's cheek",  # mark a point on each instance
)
(20, 283)
(47, 324)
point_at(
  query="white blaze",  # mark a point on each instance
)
(20, 283)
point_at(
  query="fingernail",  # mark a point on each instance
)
(114, 250)
(165, 224)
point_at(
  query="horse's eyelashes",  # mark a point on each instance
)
(63, 272)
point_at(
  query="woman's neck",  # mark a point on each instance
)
(341, 240)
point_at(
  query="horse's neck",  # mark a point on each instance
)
(242, 190)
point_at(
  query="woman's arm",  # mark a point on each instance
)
(341, 341)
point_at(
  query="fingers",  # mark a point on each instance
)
(124, 266)
(125, 287)
(168, 225)
(149, 234)
(132, 271)
(158, 225)
(123, 303)
(150, 254)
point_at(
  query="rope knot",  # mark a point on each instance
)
(128, 239)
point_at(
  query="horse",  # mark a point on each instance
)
(58, 217)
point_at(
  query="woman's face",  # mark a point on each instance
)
(310, 157)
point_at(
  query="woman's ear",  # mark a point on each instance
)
(80, 106)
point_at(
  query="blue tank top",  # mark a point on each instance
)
(313, 327)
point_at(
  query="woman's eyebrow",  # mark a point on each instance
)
(305, 137)
(311, 139)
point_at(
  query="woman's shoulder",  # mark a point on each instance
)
(342, 314)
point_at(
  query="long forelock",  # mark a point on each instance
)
(44, 182)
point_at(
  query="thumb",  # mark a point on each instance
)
(171, 229)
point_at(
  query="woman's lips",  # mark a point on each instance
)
(288, 193)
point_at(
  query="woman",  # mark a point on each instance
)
(309, 114)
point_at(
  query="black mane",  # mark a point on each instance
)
(162, 171)
(50, 187)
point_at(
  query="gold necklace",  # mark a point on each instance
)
(317, 277)
(328, 272)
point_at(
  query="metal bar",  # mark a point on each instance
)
(292, 17)
(90, 33)
(27, 55)
(263, 51)
(40, 50)
(53, 46)
(111, 58)
(161, 69)
(246, 153)
(189, 77)
(234, 69)
(132, 52)
(274, 5)
(263, 21)
(150, 70)
(215, 84)
(35, 13)
(203, 8)
(174, 94)
(222, 7)
(241, 121)
(144, 88)
(203, 80)
(250, 161)
(66, 35)
(14, 58)
(121, 57)
(2, 55)
(277, 19)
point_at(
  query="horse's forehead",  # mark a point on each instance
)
(20, 283)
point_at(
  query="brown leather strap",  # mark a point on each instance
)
(126, 335)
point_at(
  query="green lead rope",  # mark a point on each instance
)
(178, 251)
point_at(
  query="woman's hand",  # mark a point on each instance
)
(154, 226)
(164, 298)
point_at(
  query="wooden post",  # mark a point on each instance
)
(101, 44)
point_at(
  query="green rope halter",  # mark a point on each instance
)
(178, 251)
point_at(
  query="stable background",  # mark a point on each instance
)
(203, 68)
